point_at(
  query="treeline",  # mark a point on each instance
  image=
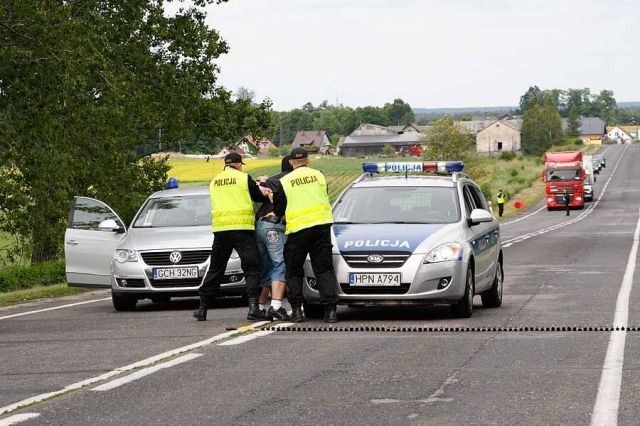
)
(575, 101)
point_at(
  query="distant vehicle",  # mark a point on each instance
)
(595, 164)
(165, 252)
(588, 189)
(413, 240)
(601, 160)
(563, 171)
(588, 163)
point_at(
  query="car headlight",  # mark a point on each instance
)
(123, 256)
(443, 253)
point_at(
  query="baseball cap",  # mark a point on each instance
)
(233, 157)
(298, 153)
(285, 166)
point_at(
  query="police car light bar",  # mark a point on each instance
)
(405, 166)
(173, 183)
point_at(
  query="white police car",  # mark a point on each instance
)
(414, 239)
(164, 253)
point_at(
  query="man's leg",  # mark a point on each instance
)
(275, 239)
(322, 264)
(245, 245)
(295, 253)
(500, 209)
(266, 266)
(220, 253)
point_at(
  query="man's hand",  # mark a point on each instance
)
(262, 179)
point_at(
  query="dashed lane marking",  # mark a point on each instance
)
(18, 418)
(70, 305)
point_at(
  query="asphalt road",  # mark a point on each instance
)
(538, 359)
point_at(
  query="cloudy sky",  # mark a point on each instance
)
(431, 53)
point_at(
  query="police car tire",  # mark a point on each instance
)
(464, 307)
(492, 298)
(313, 311)
(123, 303)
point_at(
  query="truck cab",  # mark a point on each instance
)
(564, 171)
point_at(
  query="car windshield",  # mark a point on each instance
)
(398, 205)
(563, 174)
(188, 210)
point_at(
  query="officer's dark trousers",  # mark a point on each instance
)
(223, 244)
(500, 209)
(566, 206)
(315, 242)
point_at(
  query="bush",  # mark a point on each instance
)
(486, 190)
(388, 150)
(507, 155)
(21, 277)
(514, 172)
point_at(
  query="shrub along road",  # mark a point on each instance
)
(508, 365)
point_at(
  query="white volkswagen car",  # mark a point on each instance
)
(164, 253)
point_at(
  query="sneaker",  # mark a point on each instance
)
(278, 315)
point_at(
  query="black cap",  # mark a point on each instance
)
(286, 166)
(298, 153)
(232, 157)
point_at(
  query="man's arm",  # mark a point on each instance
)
(255, 193)
(279, 200)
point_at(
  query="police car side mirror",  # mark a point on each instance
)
(110, 225)
(479, 216)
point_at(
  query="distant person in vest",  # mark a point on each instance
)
(232, 221)
(302, 198)
(500, 198)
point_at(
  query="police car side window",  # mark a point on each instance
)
(88, 213)
(478, 198)
(468, 200)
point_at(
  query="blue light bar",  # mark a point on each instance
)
(406, 166)
(173, 183)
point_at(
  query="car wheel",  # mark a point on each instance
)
(464, 307)
(492, 298)
(161, 299)
(123, 302)
(313, 311)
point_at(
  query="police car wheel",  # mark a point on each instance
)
(464, 307)
(492, 298)
(313, 311)
(123, 303)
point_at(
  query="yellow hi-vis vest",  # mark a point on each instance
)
(307, 199)
(500, 197)
(231, 206)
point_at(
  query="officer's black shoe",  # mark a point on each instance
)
(330, 314)
(279, 314)
(297, 315)
(201, 313)
(255, 313)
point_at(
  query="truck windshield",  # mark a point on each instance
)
(178, 211)
(563, 174)
(398, 205)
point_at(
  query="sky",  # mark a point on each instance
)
(430, 53)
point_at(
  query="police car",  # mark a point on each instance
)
(165, 252)
(413, 239)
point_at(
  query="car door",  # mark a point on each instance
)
(478, 238)
(87, 249)
(487, 241)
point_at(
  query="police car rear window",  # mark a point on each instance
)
(398, 205)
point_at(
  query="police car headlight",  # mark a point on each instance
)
(123, 256)
(443, 253)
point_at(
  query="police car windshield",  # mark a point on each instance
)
(415, 204)
(177, 211)
(563, 174)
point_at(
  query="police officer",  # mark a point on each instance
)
(500, 198)
(302, 198)
(566, 199)
(232, 221)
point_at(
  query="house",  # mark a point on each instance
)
(228, 149)
(312, 141)
(592, 130)
(265, 146)
(622, 134)
(356, 145)
(500, 135)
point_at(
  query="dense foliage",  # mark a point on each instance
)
(446, 141)
(542, 125)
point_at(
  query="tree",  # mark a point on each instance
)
(541, 127)
(573, 123)
(84, 86)
(445, 141)
(604, 106)
(399, 112)
(388, 150)
(529, 97)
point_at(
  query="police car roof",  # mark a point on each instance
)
(184, 190)
(410, 180)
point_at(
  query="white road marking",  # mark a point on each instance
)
(70, 305)
(605, 409)
(18, 418)
(524, 217)
(580, 217)
(247, 337)
(144, 372)
(140, 364)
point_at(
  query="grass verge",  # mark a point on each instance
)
(38, 292)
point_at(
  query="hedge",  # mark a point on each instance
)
(22, 277)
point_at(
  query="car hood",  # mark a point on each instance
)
(192, 237)
(382, 237)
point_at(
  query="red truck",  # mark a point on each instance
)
(563, 170)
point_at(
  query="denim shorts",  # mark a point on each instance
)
(271, 239)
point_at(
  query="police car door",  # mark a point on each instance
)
(481, 238)
(93, 232)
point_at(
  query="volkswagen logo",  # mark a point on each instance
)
(375, 258)
(175, 257)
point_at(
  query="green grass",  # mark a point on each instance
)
(39, 292)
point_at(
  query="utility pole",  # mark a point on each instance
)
(281, 130)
